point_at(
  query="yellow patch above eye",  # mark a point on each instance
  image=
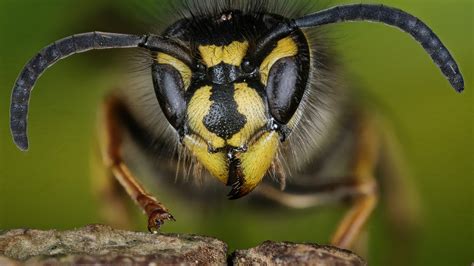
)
(182, 68)
(286, 47)
(232, 54)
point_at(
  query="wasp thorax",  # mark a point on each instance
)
(226, 102)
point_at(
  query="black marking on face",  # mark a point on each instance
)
(223, 73)
(223, 118)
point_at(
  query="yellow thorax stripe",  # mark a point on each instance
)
(286, 47)
(182, 68)
(232, 54)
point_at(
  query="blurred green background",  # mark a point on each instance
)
(49, 187)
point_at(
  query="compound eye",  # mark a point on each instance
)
(169, 90)
(284, 89)
(247, 66)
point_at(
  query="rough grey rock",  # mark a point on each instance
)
(98, 244)
(102, 245)
(286, 253)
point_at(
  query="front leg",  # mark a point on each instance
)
(157, 213)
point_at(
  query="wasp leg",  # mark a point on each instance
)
(364, 165)
(113, 205)
(319, 196)
(352, 224)
(360, 188)
(112, 153)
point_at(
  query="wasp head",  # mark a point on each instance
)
(232, 104)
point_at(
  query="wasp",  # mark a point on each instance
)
(246, 93)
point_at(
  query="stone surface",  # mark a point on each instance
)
(286, 253)
(97, 244)
(102, 245)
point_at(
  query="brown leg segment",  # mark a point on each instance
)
(113, 201)
(363, 168)
(321, 196)
(112, 154)
(352, 224)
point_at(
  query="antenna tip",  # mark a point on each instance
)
(457, 82)
(21, 142)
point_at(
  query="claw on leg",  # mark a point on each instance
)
(156, 212)
(158, 218)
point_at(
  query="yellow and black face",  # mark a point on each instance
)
(232, 106)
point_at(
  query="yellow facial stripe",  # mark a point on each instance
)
(215, 163)
(232, 54)
(182, 68)
(250, 104)
(286, 47)
(198, 108)
(258, 159)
